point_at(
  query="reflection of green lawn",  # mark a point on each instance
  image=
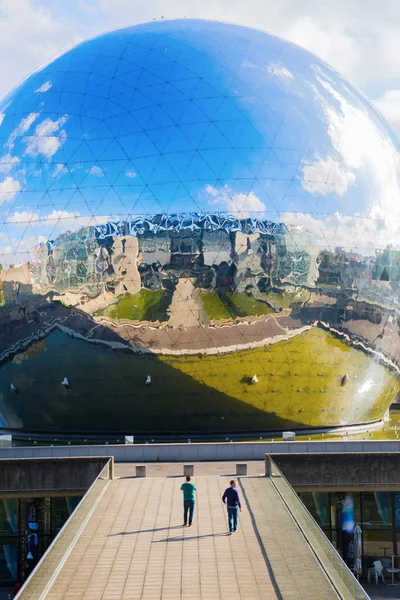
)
(244, 305)
(389, 431)
(147, 305)
(300, 379)
(233, 304)
(298, 386)
(239, 304)
(214, 307)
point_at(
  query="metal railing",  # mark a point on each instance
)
(336, 570)
(42, 577)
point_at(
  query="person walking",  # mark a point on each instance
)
(232, 501)
(188, 488)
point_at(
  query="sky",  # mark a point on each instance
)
(357, 37)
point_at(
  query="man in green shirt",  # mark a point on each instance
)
(188, 488)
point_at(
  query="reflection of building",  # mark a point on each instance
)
(387, 266)
(296, 253)
(28, 527)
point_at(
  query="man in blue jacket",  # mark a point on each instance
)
(232, 501)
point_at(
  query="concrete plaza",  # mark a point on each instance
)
(135, 547)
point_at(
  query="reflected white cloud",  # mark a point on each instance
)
(325, 175)
(96, 171)
(357, 234)
(359, 145)
(279, 71)
(22, 128)
(239, 204)
(44, 87)
(7, 161)
(9, 188)
(43, 142)
(23, 217)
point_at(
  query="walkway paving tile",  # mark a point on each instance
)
(134, 547)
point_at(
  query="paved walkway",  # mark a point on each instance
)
(134, 547)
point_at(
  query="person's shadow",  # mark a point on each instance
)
(192, 537)
(146, 530)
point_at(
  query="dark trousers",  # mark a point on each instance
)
(233, 518)
(188, 510)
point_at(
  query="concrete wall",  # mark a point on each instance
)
(344, 470)
(229, 451)
(54, 474)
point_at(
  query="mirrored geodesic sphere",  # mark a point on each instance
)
(199, 228)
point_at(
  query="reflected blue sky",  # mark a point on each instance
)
(194, 116)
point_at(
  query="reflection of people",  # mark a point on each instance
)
(188, 488)
(15, 590)
(232, 501)
(31, 547)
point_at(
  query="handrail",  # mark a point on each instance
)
(42, 577)
(334, 567)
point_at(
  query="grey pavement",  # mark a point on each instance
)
(162, 469)
(135, 547)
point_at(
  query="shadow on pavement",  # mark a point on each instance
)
(192, 537)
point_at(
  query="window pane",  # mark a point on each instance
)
(33, 548)
(338, 500)
(62, 509)
(317, 503)
(378, 545)
(35, 515)
(8, 516)
(8, 559)
(377, 510)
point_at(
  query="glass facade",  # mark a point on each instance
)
(374, 512)
(198, 225)
(27, 528)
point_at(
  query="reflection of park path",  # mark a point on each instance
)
(208, 339)
(186, 308)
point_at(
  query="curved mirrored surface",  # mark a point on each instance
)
(199, 232)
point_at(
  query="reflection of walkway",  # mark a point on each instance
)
(186, 308)
(134, 547)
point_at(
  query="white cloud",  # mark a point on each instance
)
(23, 217)
(44, 87)
(31, 33)
(389, 106)
(238, 204)
(96, 171)
(326, 175)
(279, 71)
(9, 188)
(131, 174)
(43, 142)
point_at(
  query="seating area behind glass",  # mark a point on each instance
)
(376, 512)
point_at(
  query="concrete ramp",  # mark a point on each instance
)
(134, 547)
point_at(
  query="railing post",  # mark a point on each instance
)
(268, 466)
